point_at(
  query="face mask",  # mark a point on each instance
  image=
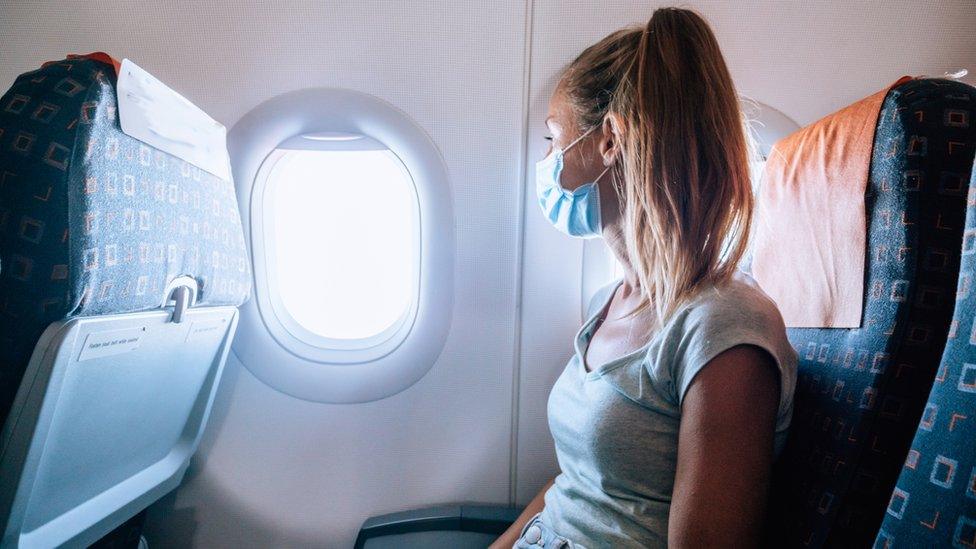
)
(577, 212)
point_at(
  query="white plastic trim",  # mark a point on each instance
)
(770, 125)
(269, 347)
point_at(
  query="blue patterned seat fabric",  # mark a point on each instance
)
(860, 392)
(95, 222)
(934, 502)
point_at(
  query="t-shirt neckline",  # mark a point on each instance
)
(584, 331)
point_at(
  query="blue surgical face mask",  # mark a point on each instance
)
(576, 212)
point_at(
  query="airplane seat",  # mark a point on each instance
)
(934, 501)
(121, 269)
(861, 391)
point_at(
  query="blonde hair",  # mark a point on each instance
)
(686, 193)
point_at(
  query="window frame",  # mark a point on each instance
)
(308, 367)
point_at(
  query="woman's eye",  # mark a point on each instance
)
(548, 138)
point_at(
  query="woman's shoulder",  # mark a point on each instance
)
(719, 317)
(736, 312)
(739, 299)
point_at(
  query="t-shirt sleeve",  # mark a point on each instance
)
(741, 316)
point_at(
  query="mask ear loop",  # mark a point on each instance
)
(575, 141)
(604, 172)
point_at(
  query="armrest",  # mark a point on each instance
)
(487, 519)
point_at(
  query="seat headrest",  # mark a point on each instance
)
(809, 237)
(93, 221)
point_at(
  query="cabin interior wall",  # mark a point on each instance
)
(276, 471)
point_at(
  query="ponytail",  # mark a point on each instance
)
(686, 192)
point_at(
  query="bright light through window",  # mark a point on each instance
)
(345, 240)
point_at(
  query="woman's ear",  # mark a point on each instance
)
(613, 130)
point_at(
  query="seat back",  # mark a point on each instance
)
(860, 392)
(934, 501)
(121, 267)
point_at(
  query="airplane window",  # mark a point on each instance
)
(343, 238)
(349, 216)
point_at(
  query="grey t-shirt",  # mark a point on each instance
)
(616, 427)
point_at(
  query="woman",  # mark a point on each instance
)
(668, 417)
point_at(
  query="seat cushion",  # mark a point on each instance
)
(93, 221)
(934, 502)
(860, 392)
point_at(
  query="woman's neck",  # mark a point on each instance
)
(614, 238)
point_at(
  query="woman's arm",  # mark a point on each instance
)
(507, 540)
(725, 451)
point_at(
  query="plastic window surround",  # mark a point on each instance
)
(598, 262)
(397, 358)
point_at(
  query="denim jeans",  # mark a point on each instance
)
(535, 534)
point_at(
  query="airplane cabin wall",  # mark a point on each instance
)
(273, 470)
